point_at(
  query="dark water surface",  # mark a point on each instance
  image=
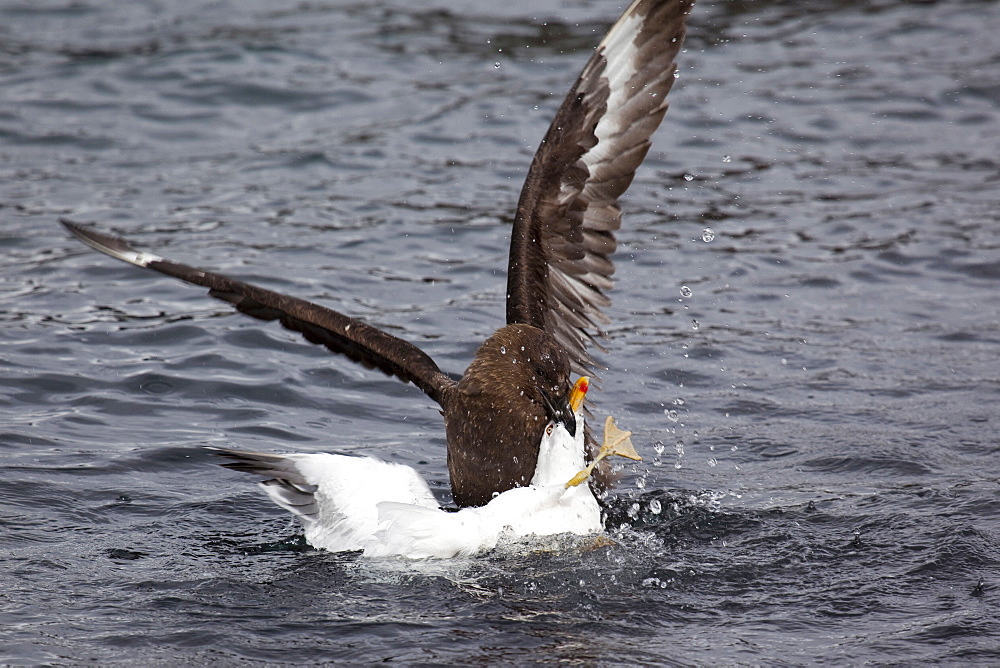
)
(806, 336)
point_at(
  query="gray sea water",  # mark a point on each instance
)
(805, 337)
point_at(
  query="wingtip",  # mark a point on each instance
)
(77, 230)
(231, 456)
(114, 246)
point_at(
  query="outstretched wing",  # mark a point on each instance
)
(563, 235)
(358, 341)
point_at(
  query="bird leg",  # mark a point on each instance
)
(616, 442)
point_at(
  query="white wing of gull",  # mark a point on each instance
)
(335, 497)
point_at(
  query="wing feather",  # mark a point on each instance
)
(356, 340)
(563, 237)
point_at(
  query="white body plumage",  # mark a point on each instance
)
(350, 503)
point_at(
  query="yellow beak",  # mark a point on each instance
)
(578, 392)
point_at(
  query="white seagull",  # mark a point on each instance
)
(349, 503)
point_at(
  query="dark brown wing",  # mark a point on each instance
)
(352, 338)
(563, 235)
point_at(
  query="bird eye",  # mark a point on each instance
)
(548, 429)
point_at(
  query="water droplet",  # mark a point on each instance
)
(671, 414)
(708, 235)
(689, 177)
(686, 291)
(695, 325)
(655, 507)
(727, 158)
(496, 65)
(713, 462)
(503, 350)
(641, 483)
(156, 387)
(658, 447)
(633, 511)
